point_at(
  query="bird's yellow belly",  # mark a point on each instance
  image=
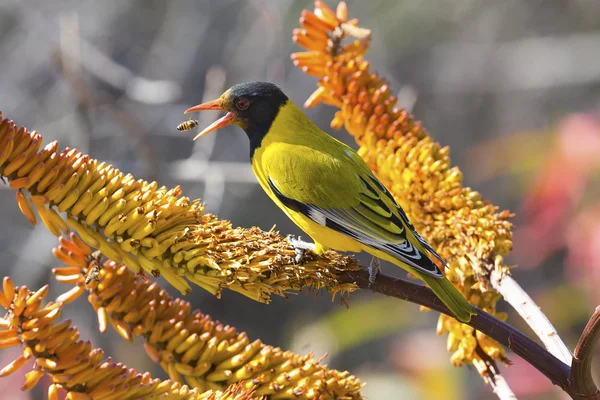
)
(324, 238)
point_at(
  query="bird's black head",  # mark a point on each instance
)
(252, 106)
(255, 103)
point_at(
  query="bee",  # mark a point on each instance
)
(94, 268)
(187, 125)
(92, 275)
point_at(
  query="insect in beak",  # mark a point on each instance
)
(218, 124)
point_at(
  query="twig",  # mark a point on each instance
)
(214, 184)
(514, 294)
(581, 378)
(491, 375)
(70, 68)
(137, 88)
(86, 99)
(517, 64)
(530, 351)
(194, 170)
(500, 386)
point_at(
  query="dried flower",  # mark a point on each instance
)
(153, 229)
(233, 392)
(188, 344)
(467, 231)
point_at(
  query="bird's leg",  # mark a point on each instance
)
(374, 268)
(300, 247)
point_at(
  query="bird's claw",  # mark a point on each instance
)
(300, 247)
(374, 268)
(299, 255)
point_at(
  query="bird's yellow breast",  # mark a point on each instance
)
(289, 152)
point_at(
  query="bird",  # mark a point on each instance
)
(326, 188)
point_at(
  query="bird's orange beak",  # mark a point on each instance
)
(212, 105)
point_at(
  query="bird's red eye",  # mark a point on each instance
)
(242, 103)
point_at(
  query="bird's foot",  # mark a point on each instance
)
(374, 268)
(300, 247)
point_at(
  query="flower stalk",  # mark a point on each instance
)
(189, 345)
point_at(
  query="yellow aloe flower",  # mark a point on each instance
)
(72, 365)
(153, 229)
(467, 231)
(187, 344)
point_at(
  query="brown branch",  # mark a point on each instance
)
(581, 378)
(523, 346)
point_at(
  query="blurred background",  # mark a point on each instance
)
(513, 87)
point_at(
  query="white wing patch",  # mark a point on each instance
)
(317, 216)
(409, 250)
(350, 153)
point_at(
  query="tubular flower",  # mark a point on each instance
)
(153, 229)
(233, 392)
(468, 232)
(73, 366)
(188, 344)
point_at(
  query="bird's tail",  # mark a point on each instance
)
(450, 296)
(412, 255)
